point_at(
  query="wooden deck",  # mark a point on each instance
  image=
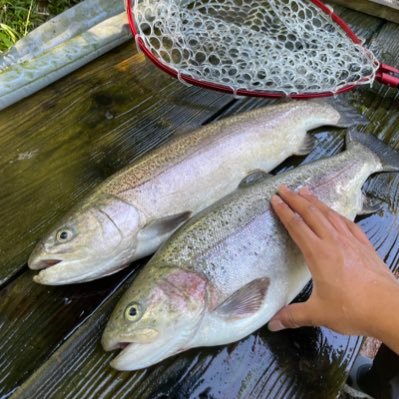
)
(58, 144)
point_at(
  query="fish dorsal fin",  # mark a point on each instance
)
(253, 177)
(244, 302)
(307, 146)
(162, 226)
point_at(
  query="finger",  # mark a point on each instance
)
(338, 221)
(292, 316)
(341, 223)
(301, 234)
(312, 216)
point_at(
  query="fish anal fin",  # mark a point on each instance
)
(253, 177)
(162, 226)
(308, 144)
(244, 302)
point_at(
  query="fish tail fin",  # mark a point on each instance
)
(349, 116)
(389, 157)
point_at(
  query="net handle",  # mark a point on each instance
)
(385, 76)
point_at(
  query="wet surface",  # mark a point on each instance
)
(59, 143)
(36, 319)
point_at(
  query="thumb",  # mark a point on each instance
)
(291, 316)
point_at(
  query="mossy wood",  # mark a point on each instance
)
(61, 142)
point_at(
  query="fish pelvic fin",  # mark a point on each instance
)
(309, 143)
(246, 301)
(253, 177)
(388, 157)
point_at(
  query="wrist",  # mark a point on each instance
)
(383, 315)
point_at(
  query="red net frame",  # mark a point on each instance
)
(385, 74)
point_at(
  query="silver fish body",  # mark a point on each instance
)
(134, 211)
(241, 263)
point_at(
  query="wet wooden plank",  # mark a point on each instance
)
(294, 364)
(36, 319)
(55, 146)
(64, 140)
(61, 142)
(387, 9)
(262, 365)
(383, 110)
(303, 363)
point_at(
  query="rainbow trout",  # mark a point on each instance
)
(134, 211)
(228, 270)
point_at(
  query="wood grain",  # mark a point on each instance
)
(35, 320)
(61, 142)
(295, 364)
(83, 134)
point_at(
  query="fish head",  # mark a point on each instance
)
(95, 239)
(156, 317)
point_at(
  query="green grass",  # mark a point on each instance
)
(19, 17)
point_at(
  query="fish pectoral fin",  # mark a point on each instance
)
(371, 205)
(246, 301)
(163, 226)
(307, 146)
(253, 177)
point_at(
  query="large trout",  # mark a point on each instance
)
(130, 214)
(228, 270)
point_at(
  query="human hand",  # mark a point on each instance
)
(353, 289)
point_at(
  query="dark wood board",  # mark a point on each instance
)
(56, 146)
(61, 142)
(96, 121)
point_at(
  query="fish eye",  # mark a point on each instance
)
(133, 312)
(64, 235)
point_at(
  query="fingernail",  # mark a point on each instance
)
(276, 199)
(283, 187)
(305, 190)
(275, 325)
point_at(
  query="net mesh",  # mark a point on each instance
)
(285, 46)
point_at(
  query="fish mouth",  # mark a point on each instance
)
(117, 345)
(120, 361)
(43, 263)
(136, 356)
(57, 272)
(142, 336)
(74, 271)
